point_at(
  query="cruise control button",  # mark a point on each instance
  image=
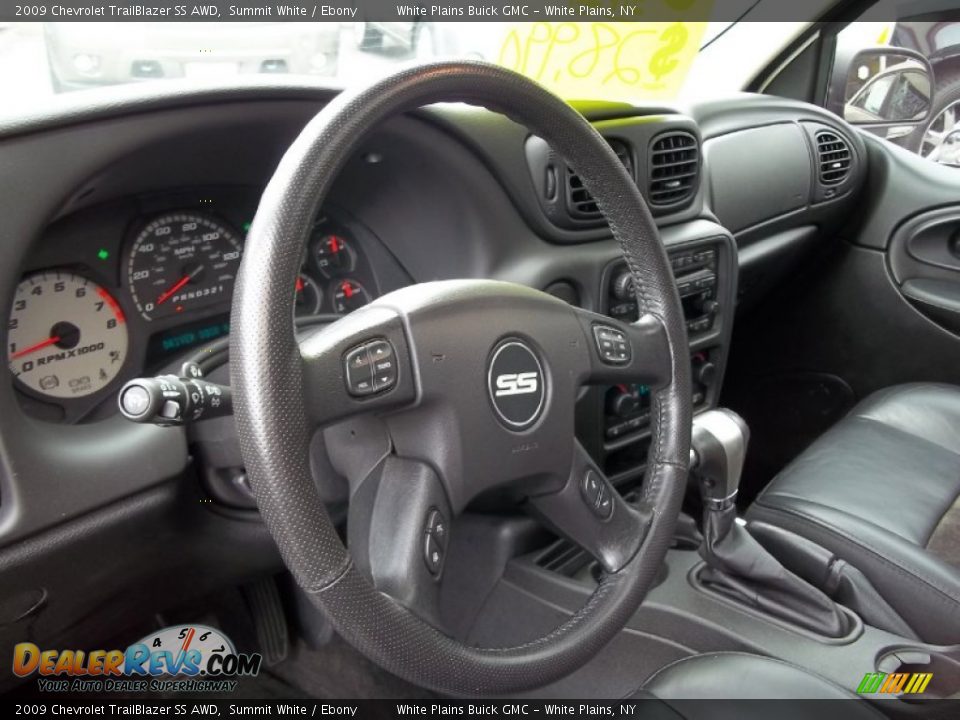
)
(591, 487)
(432, 554)
(604, 506)
(437, 526)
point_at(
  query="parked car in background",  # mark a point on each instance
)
(940, 43)
(82, 55)
(901, 92)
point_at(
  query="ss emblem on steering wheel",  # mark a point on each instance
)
(516, 384)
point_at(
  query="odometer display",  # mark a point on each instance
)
(181, 262)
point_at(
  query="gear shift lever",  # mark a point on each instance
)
(737, 564)
(719, 446)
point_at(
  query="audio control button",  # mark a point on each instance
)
(612, 344)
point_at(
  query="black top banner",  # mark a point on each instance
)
(407, 10)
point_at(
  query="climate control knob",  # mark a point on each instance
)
(709, 306)
(621, 403)
(622, 287)
(704, 371)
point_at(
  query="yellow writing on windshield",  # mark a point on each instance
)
(612, 60)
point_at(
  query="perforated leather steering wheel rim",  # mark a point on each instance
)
(268, 386)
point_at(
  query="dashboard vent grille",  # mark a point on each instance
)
(674, 168)
(580, 203)
(835, 158)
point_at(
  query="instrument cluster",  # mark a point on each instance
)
(95, 313)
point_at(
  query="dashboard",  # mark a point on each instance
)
(123, 289)
(129, 234)
(124, 227)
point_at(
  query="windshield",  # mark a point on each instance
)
(607, 61)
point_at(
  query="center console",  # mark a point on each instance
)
(613, 422)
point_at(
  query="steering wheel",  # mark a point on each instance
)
(443, 391)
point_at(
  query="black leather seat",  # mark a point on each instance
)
(880, 490)
(684, 687)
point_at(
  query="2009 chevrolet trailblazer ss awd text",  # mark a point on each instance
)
(395, 366)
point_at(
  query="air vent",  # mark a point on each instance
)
(580, 203)
(835, 158)
(674, 168)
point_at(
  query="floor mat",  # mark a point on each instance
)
(337, 671)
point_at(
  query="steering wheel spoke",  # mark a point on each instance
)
(625, 352)
(360, 364)
(589, 511)
(399, 533)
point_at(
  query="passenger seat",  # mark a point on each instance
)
(880, 490)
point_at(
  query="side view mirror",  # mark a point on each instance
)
(881, 87)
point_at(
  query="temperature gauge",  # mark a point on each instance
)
(334, 255)
(308, 297)
(348, 295)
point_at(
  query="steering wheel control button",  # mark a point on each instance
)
(437, 526)
(370, 368)
(612, 344)
(432, 554)
(597, 495)
(516, 384)
(604, 506)
(384, 365)
(435, 533)
(359, 372)
(591, 488)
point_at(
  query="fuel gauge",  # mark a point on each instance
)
(334, 255)
(348, 295)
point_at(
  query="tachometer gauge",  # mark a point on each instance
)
(333, 254)
(348, 295)
(180, 262)
(67, 335)
(308, 297)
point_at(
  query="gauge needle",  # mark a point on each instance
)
(39, 346)
(347, 289)
(179, 284)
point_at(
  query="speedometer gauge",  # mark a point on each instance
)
(180, 262)
(67, 337)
